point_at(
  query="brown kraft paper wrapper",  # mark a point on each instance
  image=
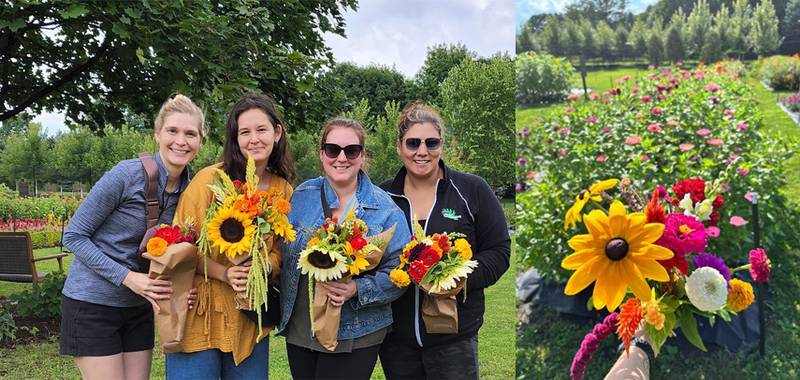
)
(326, 317)
(440, 310)
(242, 302)
(177, 264)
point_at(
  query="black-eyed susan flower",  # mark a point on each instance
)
(592, 193)
(618, 253)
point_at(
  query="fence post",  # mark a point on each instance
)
(762, 313)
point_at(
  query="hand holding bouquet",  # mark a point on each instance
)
(664, 241)
(337, 251)
(439, 264)
(241, 224)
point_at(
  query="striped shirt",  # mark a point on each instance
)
(105, 233)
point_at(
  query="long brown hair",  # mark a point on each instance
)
(234, 162)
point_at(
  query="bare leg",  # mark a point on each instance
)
(101, 367)
(137, 364)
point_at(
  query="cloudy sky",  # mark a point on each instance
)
(528, 8)
(397, 33)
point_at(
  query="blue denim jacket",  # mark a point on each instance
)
(370, 309)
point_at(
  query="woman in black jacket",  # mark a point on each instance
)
(442, 200)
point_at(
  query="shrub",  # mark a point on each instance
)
(8, 328)
(36, 208)
(779, 72)
(45, 301)
(792, 102)
(45, 239)
(733, 65)
(542, 78)
(613, 137)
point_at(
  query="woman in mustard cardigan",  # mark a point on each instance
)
(220, 341)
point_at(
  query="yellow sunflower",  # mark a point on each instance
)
(282, 227)
(593, 193)
(618, 253)
(322, 264)
(231, 232)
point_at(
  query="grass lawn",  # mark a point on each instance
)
(546, 345)
(496, 342)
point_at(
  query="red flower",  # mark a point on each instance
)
(677, 261)
(444, 243)
(718, 201)
(694, 186)
(169, 234)
(358, 242)
(714, 218)
(429, 257)
(417, 271)
(237, 183)
(654, 211)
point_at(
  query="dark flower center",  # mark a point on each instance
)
(321, 260)
(583, 194)
(231, 230)
(616, 249)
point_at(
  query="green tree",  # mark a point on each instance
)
(102, 58)
(377, 84)
(712, 47)
(674, 45)
(71, 153)
(637, 38)
(597, 10)
(791, 26)
(764, 36)
(479, 113)
(573, 38)
(25, 155)
(552, 36)
(439, 60)
(605, 41)
(740, 27)
(697, 26)
(589, 43)
(621, 47)
(655, 42)
(383, 162)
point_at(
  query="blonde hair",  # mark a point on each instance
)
(418, 113)
(340, 122)
(180, 104)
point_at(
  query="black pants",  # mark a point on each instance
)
(310, 364)
(455, 360)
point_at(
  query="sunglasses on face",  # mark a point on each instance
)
(431, 143)
(351, 151)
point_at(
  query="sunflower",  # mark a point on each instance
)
(618, 253)
(322, 264)
(593, 193)
(231, 231)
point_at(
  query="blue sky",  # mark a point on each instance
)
(397, 34)
(528, 8)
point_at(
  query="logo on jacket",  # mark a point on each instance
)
(449, 213)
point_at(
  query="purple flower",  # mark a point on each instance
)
(743, 171)
(712, 87)
(522, 161)
(742, 127)
(518, 187)
(709, 260)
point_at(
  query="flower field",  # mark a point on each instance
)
(657, 127)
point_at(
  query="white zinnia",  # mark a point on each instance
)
(707, 289)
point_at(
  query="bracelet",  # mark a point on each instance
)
(644, 346)
(225, 275)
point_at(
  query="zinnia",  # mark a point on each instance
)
(740, 295)
(156, 246)
(707, 289)
(709, 260)
(400, 278)
(759, 265)
(683, 234)
(685, 147)
(704, 132)
(633, 140)
(737, 221)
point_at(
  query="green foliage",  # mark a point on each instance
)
(674, 45)
(698, 24)
(637, 38)
(377, 84)
(8, 328)
(712, 47)
(45, 300)
(439, 60)
(740, 26)
(25, 155)
(304, 146)
(621, 47)
(764, 37)
(45, 239)
(552, 37)
(478, 99)
(655, 49)
(36, 208)
(571, 151)
(542, 78)
(382, 132)
(779, 72)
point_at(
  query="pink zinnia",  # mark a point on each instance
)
(759, 265)
(634, 90)
(737, 221)
(531, 175)
(569, 109)
(683, 234)
(644, 157)
(656, 111)
(699, 74)
(606, 129)
(743, 171)
(565, 131)
(661, 97)
(749, 196)
(715, 142)
(594, 97)
(653, 128)
(686, 147)
(573, 97)
(601, 158)
(645, 99)
(591, 119)
(712, 87)
(728, 112)
(712, 231)
(742, 127)
(672, 123)
(633, 140)
(562, 153)
(704, 132)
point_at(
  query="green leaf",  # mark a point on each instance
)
(119, 30)
(688, 325)
(140, 55)
(16, 25)
(74, 11)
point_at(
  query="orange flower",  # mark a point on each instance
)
(630, 316)
(283, 206)
(156, 246)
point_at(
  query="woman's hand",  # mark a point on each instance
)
(340, 292)
(192, 298)
(237, 276)
(151, 289)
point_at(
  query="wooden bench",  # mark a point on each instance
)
(17, 263)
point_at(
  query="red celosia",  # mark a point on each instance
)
(654, 211)
(628, 320)
(417, 270)
(718, 201)
(444, 243)
(694, 186)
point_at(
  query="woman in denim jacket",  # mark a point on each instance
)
(366, 313)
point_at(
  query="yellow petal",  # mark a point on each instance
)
(635, 280)
(579, 258)
(651, 269)
(617, 288)
(657, 252)
(652, 232)
(579, 242)
(603, 186)
(597, 224)
(584, 276)
(601, 295)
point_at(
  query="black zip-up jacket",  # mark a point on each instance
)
(464, 203)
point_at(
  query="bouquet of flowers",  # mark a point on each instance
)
(173, 255)
(337, 251)
(241, 224)
(439, 264)
(664, 241)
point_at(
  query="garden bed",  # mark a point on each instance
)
(795, 116)
(29, 329)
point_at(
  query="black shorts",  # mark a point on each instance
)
(89, 329)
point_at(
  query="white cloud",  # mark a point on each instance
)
(53, 122)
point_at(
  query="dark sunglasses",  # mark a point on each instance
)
(351, 151)
(431, 143)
